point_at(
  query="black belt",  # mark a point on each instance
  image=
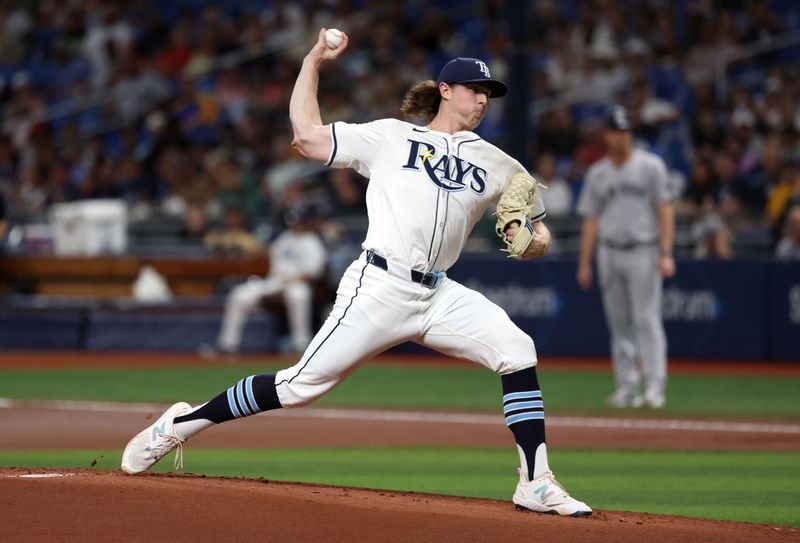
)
(631, 245)
(430, 280)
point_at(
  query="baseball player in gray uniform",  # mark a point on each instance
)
(627, 214)
(428, 186)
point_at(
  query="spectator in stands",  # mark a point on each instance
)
(663, 34)
(109, 38)
(138, 87)
(237, 185)
(161, 136)
(197, 112)
(3, 220)
(761, 22)
(745, 143)
(711, 237)
(8, 163)
(558, 133)
(591, 149)
(218, 21)
(558, 196)
(769, 107)
(725, 173)
(789, 246)
(783, 195)
(15, 23)
(23, 114)
(195, 225)
(703, 187)
(765, 164)
(287, 169)
(232, 238)
(712, 44)
(700, 205)
(101, 180)
(202, 56)
(604, 75)
(30, 198)
(706, 130)
(170, 61)
(650, 110)
(297, 260)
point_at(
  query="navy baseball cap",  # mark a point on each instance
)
(471, 70)
(617, 118)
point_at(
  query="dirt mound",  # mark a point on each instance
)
(87, 505)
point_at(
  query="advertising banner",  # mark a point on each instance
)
(785, 311)
(710, 309)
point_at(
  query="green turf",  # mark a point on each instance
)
(752, 487)
(418, 387)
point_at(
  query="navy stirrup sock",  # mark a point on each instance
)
(249, 396)
(523, 409)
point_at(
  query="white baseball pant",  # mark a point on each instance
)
(244, 298)
(377, 309)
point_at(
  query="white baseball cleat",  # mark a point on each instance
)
(623, 398)
(654, 399)
(154, 442)
(545, 495)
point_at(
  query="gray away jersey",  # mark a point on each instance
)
(625, 199)
(427, 189)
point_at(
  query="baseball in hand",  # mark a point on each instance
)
(333, 38)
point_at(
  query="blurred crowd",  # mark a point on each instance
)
(181, 108)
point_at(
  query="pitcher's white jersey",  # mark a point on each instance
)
(427, 189)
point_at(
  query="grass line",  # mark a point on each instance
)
(419, 387)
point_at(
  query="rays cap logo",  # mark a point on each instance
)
(471, 70)
(617, 118)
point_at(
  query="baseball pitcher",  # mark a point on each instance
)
(428, 186)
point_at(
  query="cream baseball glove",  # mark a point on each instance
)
(514, 209)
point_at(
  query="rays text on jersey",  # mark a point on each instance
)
(447, 172)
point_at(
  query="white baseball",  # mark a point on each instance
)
(333, 38)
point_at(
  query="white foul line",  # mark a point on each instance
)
(435, 417)
(42, 475)
(552, 421)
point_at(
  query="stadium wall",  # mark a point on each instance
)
(712, 309)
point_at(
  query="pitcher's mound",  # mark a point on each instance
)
(88, 505)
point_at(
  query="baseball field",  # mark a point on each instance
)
(407, 449)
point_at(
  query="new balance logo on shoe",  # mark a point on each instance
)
(542, 490)
(159, 430)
